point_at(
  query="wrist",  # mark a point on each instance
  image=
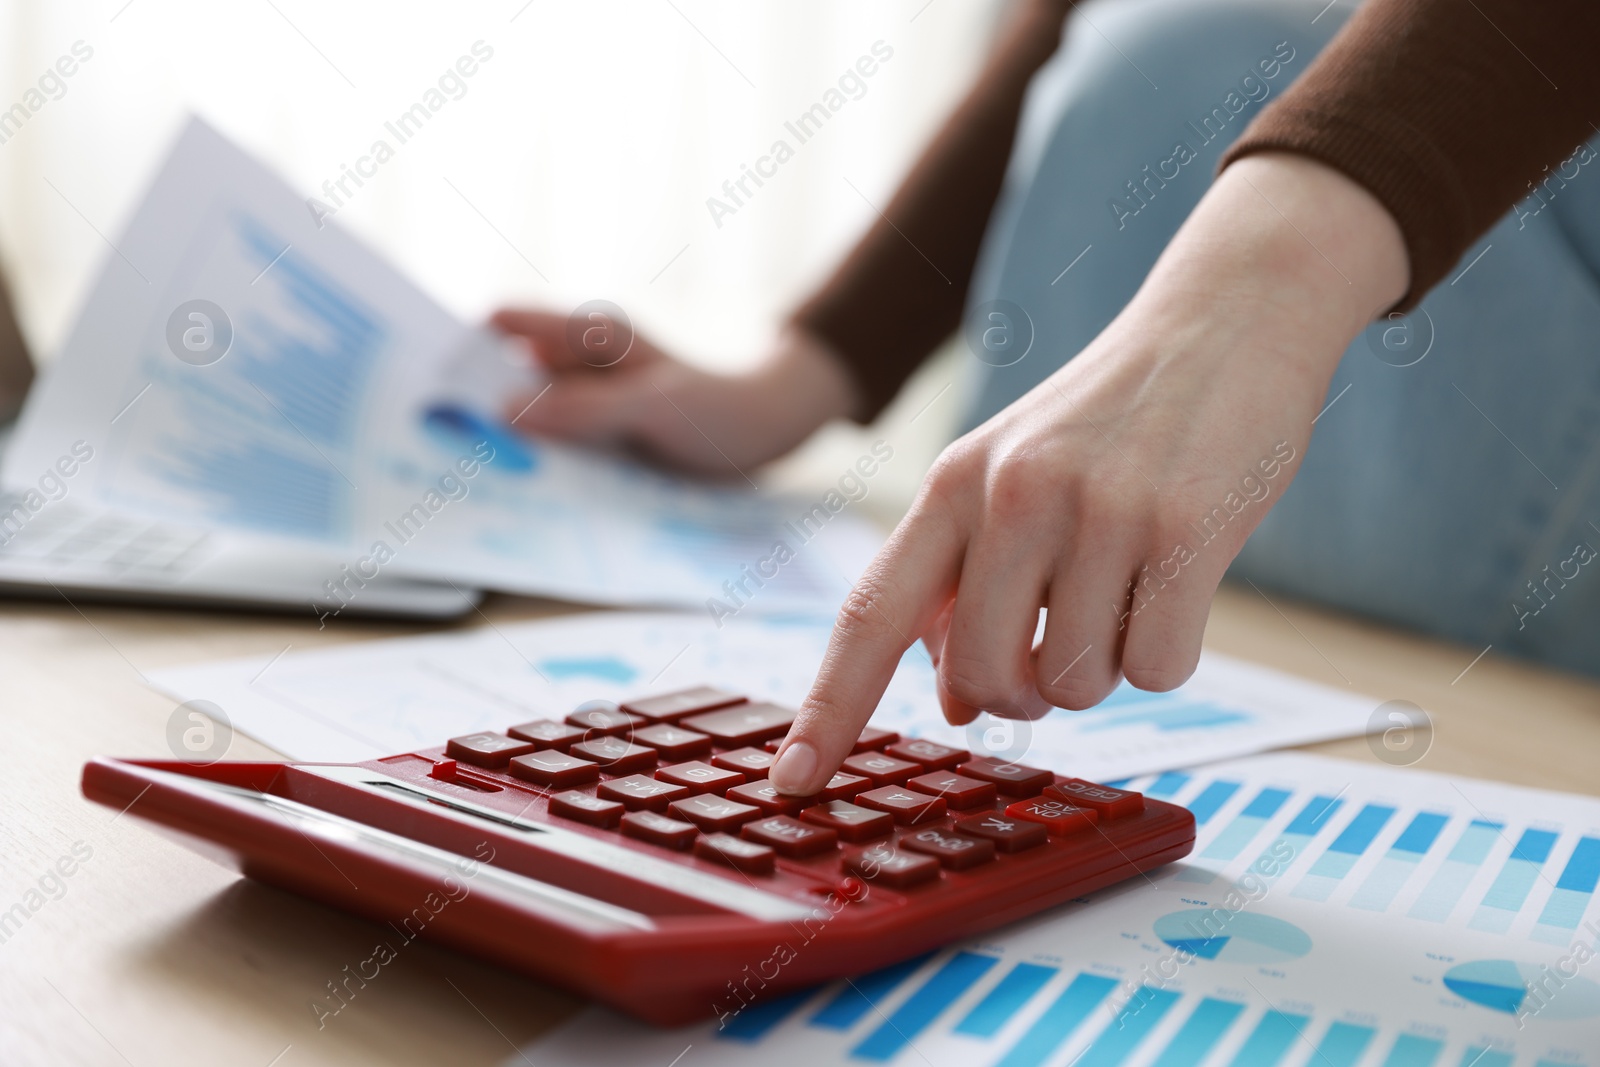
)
(1286, 238)
(810, 378)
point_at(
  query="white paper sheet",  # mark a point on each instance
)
(383, 697)
(1374, 916)
(343, 403)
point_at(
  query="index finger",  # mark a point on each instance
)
(890, 607)
(545, 332)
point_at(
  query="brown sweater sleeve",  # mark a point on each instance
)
(901, 290)
(1447, 110)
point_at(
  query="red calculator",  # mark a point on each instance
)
(634, 852)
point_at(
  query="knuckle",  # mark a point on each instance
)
(861, 617)
(1156, 678)
(973, 681)
(1014, 483)
(1075, 693)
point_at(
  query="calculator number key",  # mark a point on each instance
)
(954, 851)
(746, 856)
(700, 777)
(959, 791)
(555, 769)
(929, 756)
(659, 830)
(881, 769)
(1012, 779)
(893, 867)
(850, 821)
(750, 762)
(908, 806)
(616, 755)
(486, 749)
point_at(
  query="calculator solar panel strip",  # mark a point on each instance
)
(635, 854)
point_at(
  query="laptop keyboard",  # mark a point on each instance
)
(64, 534)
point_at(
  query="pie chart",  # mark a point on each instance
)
(1233, 937)
(1529, 989)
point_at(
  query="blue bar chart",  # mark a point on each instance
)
(1443, 891)
(1572, 894)
(1400, 862)
(1178, 973)
(1331, 867)
(1510, 889)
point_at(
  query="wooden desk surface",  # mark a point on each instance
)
(152, 955)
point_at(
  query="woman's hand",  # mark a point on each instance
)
(1117, 492)
(716, 424)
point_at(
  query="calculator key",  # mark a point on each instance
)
(486, 749)
(893, 867)
(768, 799)
(959, 791)
(932, 757)
(1007, 833)
(636, 792)
(659, 830)
(602, 717)
(790, 837)
(1105, 801)
(616, 755)
(746, 856)
(750, 762)
(843, 786)
(585, 808)
(700, 777)
(554, 769)
(1057, 816)
(908, 806)
(669, 706)
(872, 738)
(1012, 779)
(743, 724)
(954, 851)
(713, 814)
(881, 769)
(673, 742)
(546, 733)
(850, 821)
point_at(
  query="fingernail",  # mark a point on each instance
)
(794, 768)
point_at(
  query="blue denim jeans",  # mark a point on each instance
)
(1453, 485)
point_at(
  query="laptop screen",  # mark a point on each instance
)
(16, 368)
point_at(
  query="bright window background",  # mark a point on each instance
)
(576, 164)
(589, 142)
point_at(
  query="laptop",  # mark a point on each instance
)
(55, 544)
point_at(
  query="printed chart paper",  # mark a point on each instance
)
(238, 366)
(1335, 915)
(383, 697)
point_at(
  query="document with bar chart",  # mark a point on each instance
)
(241, 363)
(372, 699)
(1333, 915)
